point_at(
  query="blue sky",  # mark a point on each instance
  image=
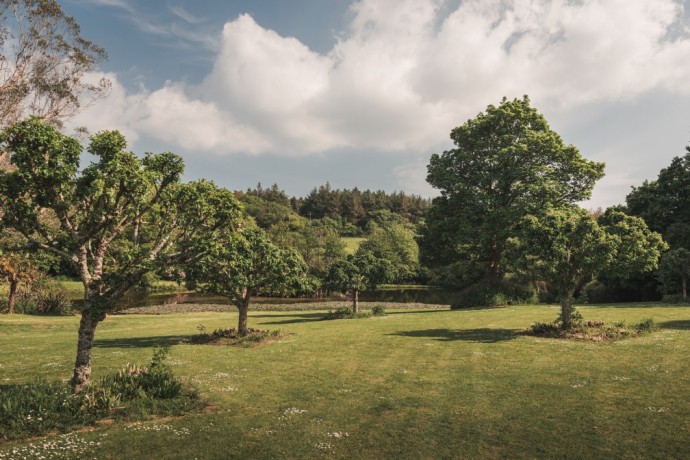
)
(361, 93)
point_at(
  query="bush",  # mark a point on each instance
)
(378, 310)
(594, 292)
(230, 337)
(487, 294)
(38, 408)
(647, 325)
(155, 381)
(346, 313)
(674, 299)
(592, 330)
(45, 296)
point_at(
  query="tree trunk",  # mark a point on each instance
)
(567, 311)
(685, 287)
(243, 308)
(12, 298)
(355, 301)
(82, 365)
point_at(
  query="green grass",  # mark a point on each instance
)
(411, 384)
(352, 243)
(75, 289)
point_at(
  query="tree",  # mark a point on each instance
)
(114, 221)
(507, 163)
(356, 272)
(16, 268)
(248, 265)
(566, 246)
(674, 267)
(43, 62)
(664, 204)
(395, 243)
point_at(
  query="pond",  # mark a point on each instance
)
(421, 294)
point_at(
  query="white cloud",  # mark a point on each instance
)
(403, 75)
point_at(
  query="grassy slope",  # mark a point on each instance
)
(352, 243)
(414, 384)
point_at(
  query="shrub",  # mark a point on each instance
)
(594, 292)
(44, 296)
(378, 310)
(156, 380)
(674, 299)
(38, 408)
(487, 294)
(345, 313)
(647, 325)
(230, 337)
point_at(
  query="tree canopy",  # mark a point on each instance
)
(566, 246)
(43, 62)
(114, 221)
(507, 163)
(664, 203)
(247, 264)
(356, 272)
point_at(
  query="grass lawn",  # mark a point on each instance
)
(352, 243)
(412, 384)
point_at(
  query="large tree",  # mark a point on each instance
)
(664, 203)
(113, 221)
(566, 246)
(249, 264)
(396, 243)
(507, 162)
(43, 62)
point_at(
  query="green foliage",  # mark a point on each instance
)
(156, 381)
(664, 203)
(44, 296)
(378, 310)
(395, 243)
(637, 248)
(674, 271)
(359, 271)
(231, 337)
(38, 408)
(347, 313)
(248, 264)
(487, 294)
(506, 163)
(592, 330)
(115, 220)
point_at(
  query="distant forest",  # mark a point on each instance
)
(352, 209)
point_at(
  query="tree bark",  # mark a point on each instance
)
(12, 298)
(355, 301)
(243, 308)
(82, 365)
(567, 311)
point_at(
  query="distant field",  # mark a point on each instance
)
(352, 243)
(412, 384)
(75, 289)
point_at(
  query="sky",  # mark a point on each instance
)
(361, 93)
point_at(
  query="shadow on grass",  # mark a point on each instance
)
(483, 335)
(140, 342)
(296, 318)
(682, 324)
